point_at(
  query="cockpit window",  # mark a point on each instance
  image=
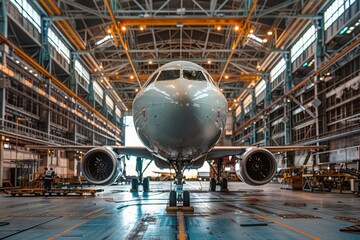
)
(169, 75)
(152, 79)
(194, 75)
(210, 78)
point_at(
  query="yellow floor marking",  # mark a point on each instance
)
(280, 223)
(181, 225)
(91, 213)
(77, 225)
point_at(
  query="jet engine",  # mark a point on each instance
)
(101, 166)
(257, 166)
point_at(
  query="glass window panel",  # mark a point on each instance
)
(168, 75)
(193, 75)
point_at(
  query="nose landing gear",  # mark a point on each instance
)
(179, 200)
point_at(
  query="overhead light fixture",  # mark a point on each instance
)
(35, 74)
(123, 28)
(269, 33)
(251, 31)
(26, 68)
(142, 28)
(252, 36)
(209, 61)
(258, 66)
(30, 71)
(264, 40)
(226, 76)
(229, 109)
(236, 28)
(136, 90)
(17, 61)
(109, 30)
(150, 62)
(131, 77)
(218, 27)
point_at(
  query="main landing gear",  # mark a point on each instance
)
(145, 182)
(220, 180)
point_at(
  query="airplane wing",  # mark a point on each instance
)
(137, 151)
(222, 151)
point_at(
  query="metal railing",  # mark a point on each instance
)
(22, 131)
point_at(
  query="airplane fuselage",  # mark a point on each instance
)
(180, 113)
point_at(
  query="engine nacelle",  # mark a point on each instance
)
(257, 166)
(101, 166)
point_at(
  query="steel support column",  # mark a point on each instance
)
(104, 104)
(1, 163)
(3, 18)
(91, 95)
(115, 117)
(3, 31)
(288, 84)
(319, 102)
(72, 83)
(267, 102)
(252, 114)
(242, 116)
(45, 58)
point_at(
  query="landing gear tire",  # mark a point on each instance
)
(186, 198)
(134, 185)
(212, 184)
(146, 185)
(172, 200)
(224, 184)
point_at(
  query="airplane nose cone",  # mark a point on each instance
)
(180, 110)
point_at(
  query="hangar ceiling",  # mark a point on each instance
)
(233, 39)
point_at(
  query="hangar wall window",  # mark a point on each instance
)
(168, 75)
(59, 45)
(83, 73)
(303, 43)
(110, 104)
(247, 102)
(28, 12)
(277, 70)
(98, 91)
(260, 87)
(335, 10)
(194, 75)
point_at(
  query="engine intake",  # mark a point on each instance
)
(257, 166)
(101, 166)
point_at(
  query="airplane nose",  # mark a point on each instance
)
(182, 113)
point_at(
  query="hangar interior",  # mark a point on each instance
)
(290, 71)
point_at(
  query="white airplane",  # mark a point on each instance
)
(179, 115)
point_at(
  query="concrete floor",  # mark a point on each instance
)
(117, 213)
